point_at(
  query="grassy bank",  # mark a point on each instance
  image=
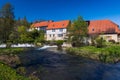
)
(8, 60)
(10, 56)
(7, 73)
(11, 50)
(110, 54)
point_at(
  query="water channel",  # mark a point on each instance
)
(50, 64)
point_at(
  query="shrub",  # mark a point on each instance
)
(112, 41)
(8, 44)
(59, 44)
(100, 42)
(21, 70)
(7, 73)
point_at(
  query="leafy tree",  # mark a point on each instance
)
(22, 22)
(78, 31)
(25, 22)
(22, 34)
(34, 34)
(13, 37)
(7, 21)
(41, 37)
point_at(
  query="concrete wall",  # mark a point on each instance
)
(18, 45)
(54, 35)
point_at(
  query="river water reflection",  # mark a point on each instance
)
(55, 65)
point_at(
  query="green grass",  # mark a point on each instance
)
(11, 50)
(7, 73)
(108, 54)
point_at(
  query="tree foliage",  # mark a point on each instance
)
(22, 22)
(16, 31)
(78, 31)
(6, 21)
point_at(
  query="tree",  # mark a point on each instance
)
(78, 31)
(22, 22)
(25, 22)
(24, 35)
(6, 22)
(40, 38)
(13, 37)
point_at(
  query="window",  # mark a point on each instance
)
(109, 37)
(60, 35)
(53, 35)
(92, 29)
(53, 30)
(61, 30)
(50, 35)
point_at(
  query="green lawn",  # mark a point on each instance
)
(109, 54)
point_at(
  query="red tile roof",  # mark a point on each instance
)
(41, 24)
(59, 24)
(102, 26)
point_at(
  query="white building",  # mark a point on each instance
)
(57, 30)
(53, 30)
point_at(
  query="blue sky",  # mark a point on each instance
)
(66, 9)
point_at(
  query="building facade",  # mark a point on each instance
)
(104, 28)
(40, 25)
(58, 30)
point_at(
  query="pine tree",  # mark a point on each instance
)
(7, 21)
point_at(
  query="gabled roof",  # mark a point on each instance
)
(41, 24)
(102, 26)
(59, 24)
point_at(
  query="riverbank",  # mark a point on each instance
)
(7, 73)
(39, 64)
(109, 54)
(8, 60)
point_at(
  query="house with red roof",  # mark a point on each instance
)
(54, 30)
(104, 28)
(40, 25)
(57, 30)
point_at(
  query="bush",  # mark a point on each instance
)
(21, 70)
(8, 44)
(32, 77)
(59, 44)
(112, 41)
(7, 73)
(100, 42)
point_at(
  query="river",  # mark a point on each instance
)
(49, 64)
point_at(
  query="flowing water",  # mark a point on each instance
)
(50, 64)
